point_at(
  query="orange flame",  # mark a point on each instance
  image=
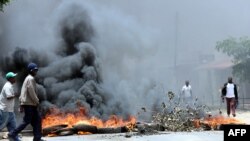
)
(56, 117)
(215, 121)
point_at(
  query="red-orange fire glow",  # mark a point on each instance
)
(215, 121)
(56, 117)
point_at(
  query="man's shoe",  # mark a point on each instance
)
(13, 138)
(5, 135)
(234, 115)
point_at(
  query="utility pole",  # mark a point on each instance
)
(176, 49)
(176, 39)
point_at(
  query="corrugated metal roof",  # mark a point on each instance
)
(217, 64)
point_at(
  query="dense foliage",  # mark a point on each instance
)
(239, 50)
(3, 3)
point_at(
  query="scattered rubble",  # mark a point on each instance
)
(179, 115)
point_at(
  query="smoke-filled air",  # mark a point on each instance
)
(114, 57)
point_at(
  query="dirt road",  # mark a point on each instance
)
(169, 136)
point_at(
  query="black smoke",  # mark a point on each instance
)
(69, 77)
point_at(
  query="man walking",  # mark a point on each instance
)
(7, 103)
(231, 95)
(29, 104)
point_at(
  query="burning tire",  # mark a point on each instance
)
(112, 130)
(65, 132)
(53, 129)
(85, 128)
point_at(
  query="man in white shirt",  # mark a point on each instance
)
(186, 92)
(7, 103)
(231, 96)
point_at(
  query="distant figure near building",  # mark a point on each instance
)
(230, 92)
(186, 92)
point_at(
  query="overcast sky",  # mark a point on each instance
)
(200, 23)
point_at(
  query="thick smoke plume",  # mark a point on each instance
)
(70, 64)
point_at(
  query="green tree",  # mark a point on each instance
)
(3, 3)
(239, 49)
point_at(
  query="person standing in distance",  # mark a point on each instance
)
(186, 92)
(29, 105)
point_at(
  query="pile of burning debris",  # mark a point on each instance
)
(176, 115)
(179, 115)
